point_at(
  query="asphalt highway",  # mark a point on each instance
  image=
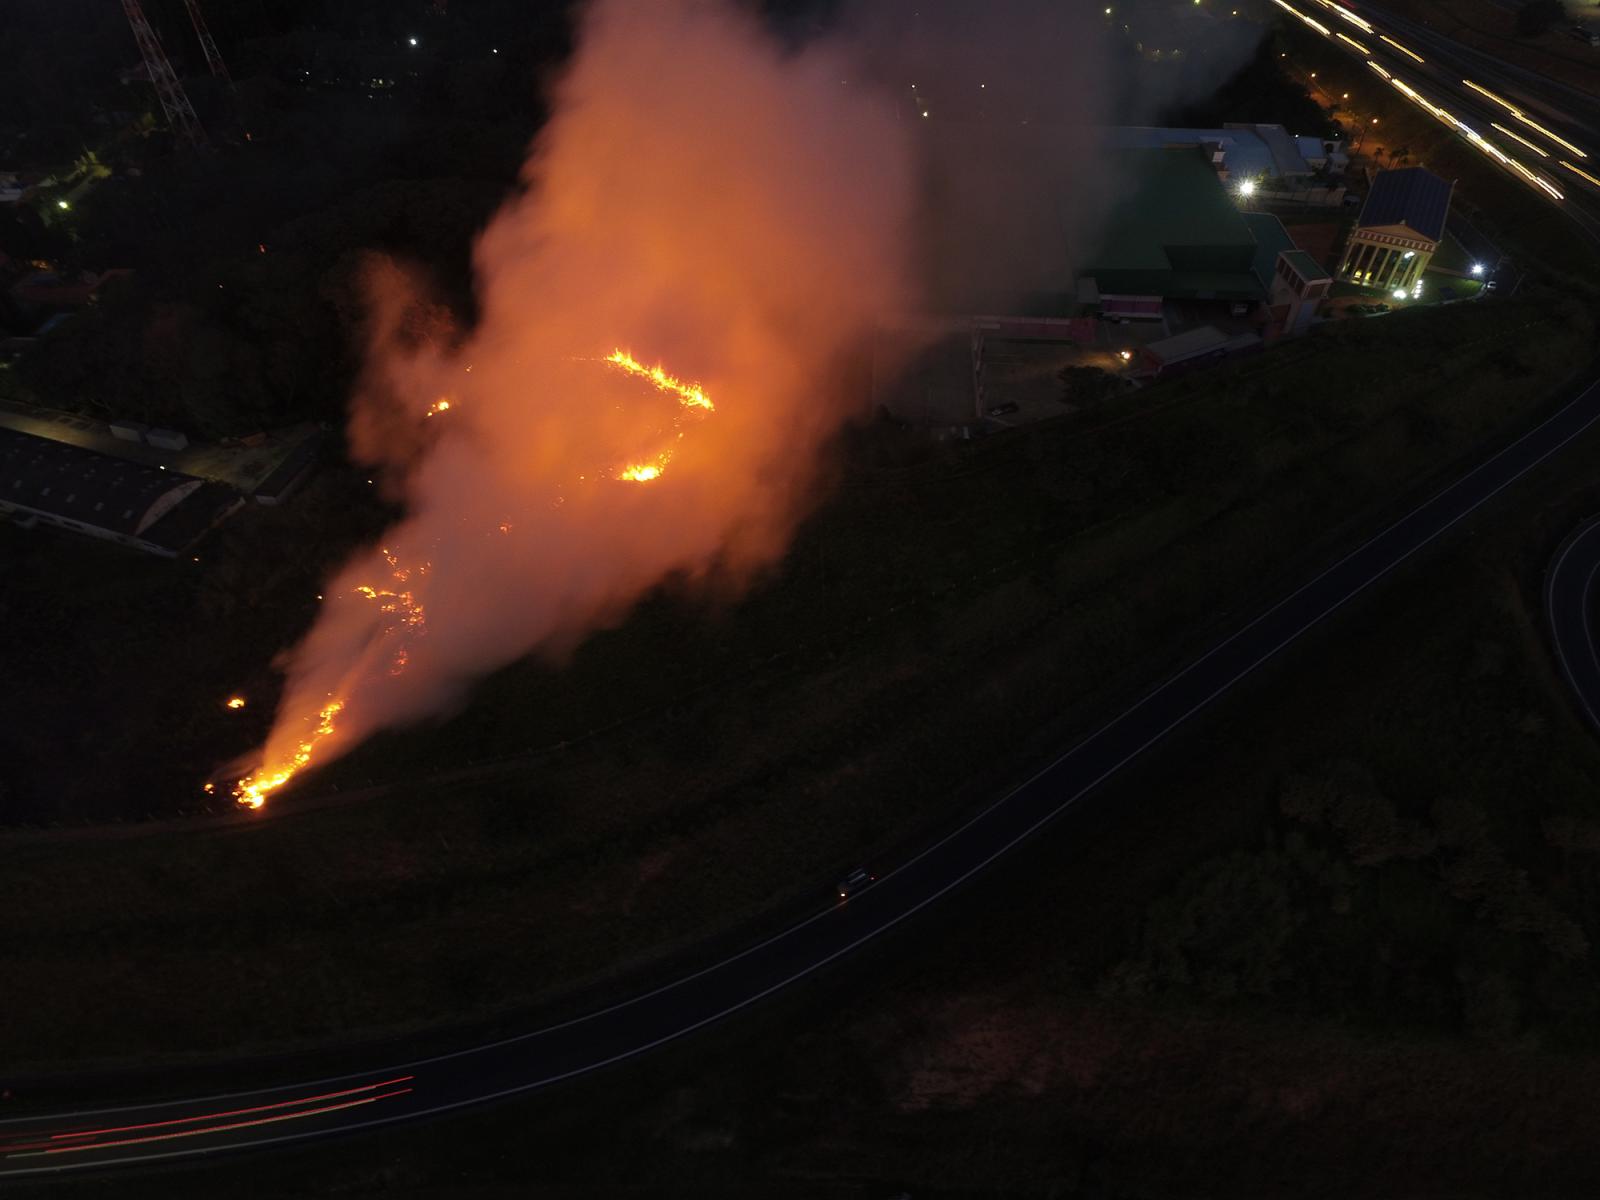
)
(1569, 588)
(89, 1137)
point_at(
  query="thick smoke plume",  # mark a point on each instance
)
(700, 199)
(739, 212)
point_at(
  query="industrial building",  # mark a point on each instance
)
(158, 511)
(1239, 151)
(1178, 236)
(1400, 227)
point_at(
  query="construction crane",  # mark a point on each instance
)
(208, 44)
(174, 101)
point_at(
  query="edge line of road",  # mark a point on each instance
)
(1585, 528)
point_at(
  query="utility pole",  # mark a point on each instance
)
(208, 44)
(174, 102)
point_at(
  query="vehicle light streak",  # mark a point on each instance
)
(1353, 42)
(56, 1139)
(1379, 69)
(1517, 137)
(1481, 143)
(207, 1129)
(1347, 15)
(1582, 174)
(1411, 54)
(1524, 118)
(1489, 148)
(1317, 25)
(1564, 144)
(1483, 91)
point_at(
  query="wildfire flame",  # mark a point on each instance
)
(640, 473)
(401, 603)
(689, 393)
(252, 790)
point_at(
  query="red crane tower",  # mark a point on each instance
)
(174, 102)
(213, 55)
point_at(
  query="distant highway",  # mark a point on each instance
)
(1536, 130)
(1569, 596)
(87, 1136)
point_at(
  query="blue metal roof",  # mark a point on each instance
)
(1412, 197)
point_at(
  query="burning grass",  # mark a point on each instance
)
(748, 755)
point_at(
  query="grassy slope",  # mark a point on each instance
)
(881, 684)
(982, 1055)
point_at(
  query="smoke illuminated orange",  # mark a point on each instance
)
(750, 234)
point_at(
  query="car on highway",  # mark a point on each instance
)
(856, 882)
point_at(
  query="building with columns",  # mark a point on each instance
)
(1400, 227)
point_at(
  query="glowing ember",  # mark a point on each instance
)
(442, 404)
(235, 701)
(252, 790)
(640, 473)
(689, 393)
(402, 604)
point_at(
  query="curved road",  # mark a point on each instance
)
(1569, 606)
(86, 1137)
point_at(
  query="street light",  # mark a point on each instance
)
(63, 205)
(1477, 269)
(1247, 187)
(412, 41)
